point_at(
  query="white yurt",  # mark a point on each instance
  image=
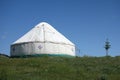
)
(43, 39)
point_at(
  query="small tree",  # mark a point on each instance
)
(107, 46)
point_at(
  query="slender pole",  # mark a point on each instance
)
(106, 52)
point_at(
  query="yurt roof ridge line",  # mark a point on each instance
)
(41, 42)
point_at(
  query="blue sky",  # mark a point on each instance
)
(87, 23)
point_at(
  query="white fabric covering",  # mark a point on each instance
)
(42, 39)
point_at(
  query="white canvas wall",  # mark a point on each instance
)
(32, 48)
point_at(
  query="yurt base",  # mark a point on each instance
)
(42, 55)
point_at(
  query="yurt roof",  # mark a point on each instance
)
(43, 32)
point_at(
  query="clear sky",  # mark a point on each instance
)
(87, 23)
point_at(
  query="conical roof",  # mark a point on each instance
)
(43, 32)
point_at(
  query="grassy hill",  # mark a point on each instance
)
(60, 68)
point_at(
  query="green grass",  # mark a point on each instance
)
(60, 68)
